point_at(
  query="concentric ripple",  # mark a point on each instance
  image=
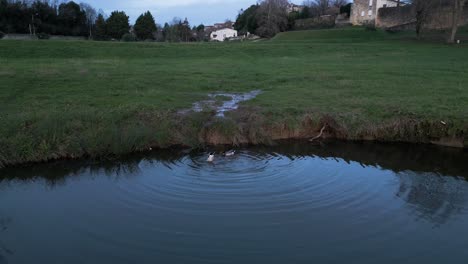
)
(255, 207)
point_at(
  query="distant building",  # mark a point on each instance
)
(294, 8)
(221, 31)
(227, 24)
(365, 11)
(218, 26)
(223, 34)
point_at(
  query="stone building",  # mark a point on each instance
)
(294, 8)
(404, 17)
(365, 11)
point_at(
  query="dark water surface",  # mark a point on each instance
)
(293, 203)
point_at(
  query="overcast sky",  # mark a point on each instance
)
(198, 12)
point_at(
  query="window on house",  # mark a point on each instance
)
(370, 12)
(363, 13)
(370, 2)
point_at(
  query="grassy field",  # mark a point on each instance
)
(70, 99)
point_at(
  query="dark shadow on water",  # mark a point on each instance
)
(394, 157)
(430, 177)
(56, 173)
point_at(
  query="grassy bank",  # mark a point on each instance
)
(69, 99)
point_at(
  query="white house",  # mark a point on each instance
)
(222, 34)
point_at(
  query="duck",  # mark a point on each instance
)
(211, 157)
(229, 153)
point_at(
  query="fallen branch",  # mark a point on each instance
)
(320, 135)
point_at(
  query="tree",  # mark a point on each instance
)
(166, 32)
(72, 20)
(184, 31)
(45, 17)
(422, 10)
(457, 13)
(321, 6)
(91, 15)
(346, 9)
(305, 12)
(3, 14)
(338, 3)
(173, 32)
(117, 25)
(199, 32)
(16, 17)
(272, 17)
(247, 20)
(292, 17)
(324, 7)
(145, 26)
(100, 28)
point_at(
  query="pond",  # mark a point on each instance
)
(290, 203)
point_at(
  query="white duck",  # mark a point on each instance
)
(229, 153)
(211, 157)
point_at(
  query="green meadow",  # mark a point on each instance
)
(72, 99)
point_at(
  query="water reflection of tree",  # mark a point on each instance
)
(60, 172)
(433, 197)
(395, 157)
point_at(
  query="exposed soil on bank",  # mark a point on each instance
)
(253, 131)
(249, 126)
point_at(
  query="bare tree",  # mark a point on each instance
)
(457, 13)
(338, 3)
(422, 11)
(323, 7)
(272, 17)
(91, 15)
(424, 8)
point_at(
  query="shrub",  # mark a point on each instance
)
(128, 37)
(2, 34)
(43, 36)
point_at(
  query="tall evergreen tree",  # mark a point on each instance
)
(166, 32)
(117, 25)
(145, 26)
(185, 31)
(100, 28)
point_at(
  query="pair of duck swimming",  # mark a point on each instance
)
(229, 153)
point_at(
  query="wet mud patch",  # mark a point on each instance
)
(222, 102)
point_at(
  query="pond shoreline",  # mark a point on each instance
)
(245, 127)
